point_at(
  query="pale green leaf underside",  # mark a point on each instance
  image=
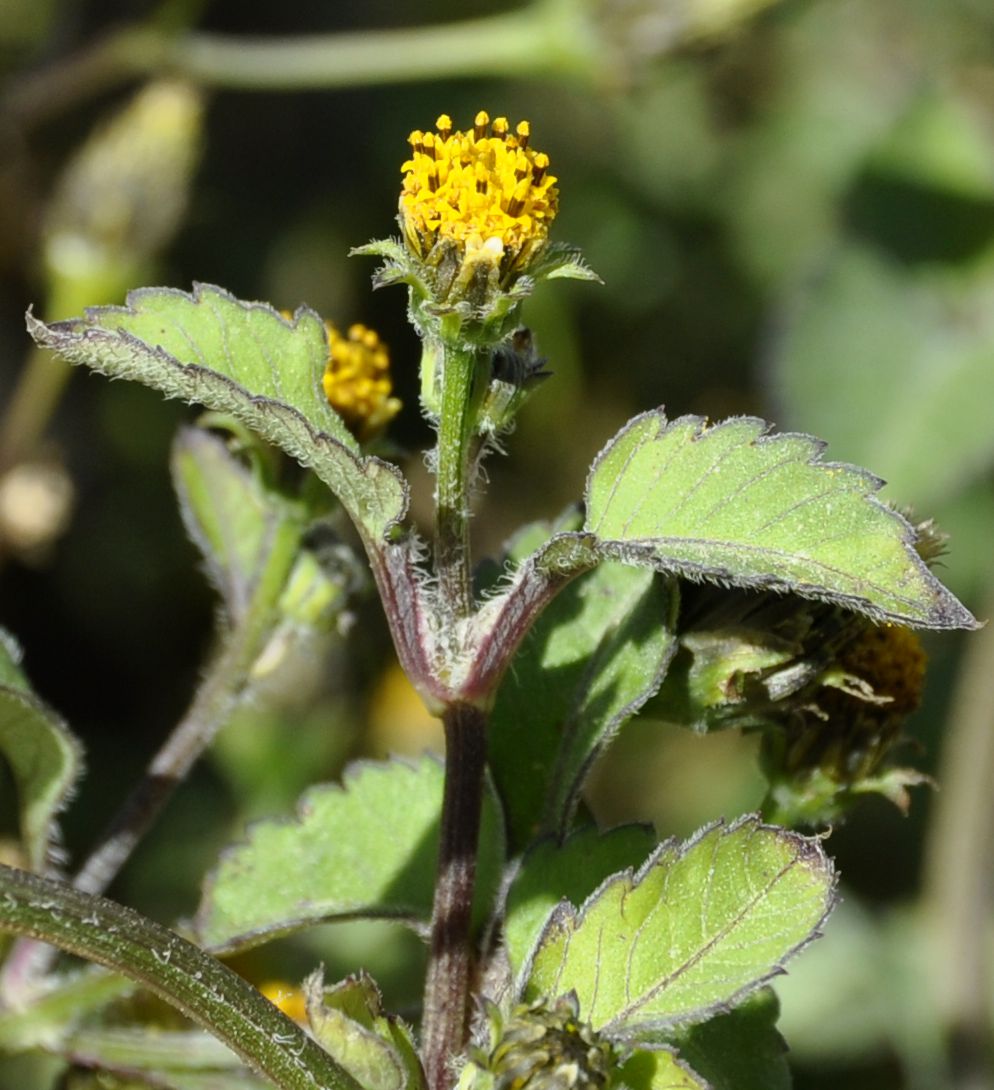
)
(734, 504)
(43, 756)
(593, 658)
(239, 358)
(226, 513)
(700, 926)
(367, 849)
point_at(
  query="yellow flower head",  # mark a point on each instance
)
(485, 191)
(289, 999)
(357, 380)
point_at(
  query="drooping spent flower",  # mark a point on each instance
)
(836, 736)
(829, 689)
(861, 706)
(357, 380)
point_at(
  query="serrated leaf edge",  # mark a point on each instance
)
(950, 612)
(514, 869)
(567, 915)
(354, 771)
(368, 466)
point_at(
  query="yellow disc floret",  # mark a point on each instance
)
(289, 999)
(357, 380)
(485, 191)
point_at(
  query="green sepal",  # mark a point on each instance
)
(348, 1021)
(44, 757)
(740, 653)
(813, 799)
(464, 304)
(561, 261)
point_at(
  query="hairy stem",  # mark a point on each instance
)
(456, 420)
(177, 971)
(450, 967)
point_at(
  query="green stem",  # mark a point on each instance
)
(177, 971)
(31, 405)
(959, 891)
(545, 38)
(212, 705)
(132, 1050)
(450, 968)
(514, 43)
(457, 417)
(216, 698)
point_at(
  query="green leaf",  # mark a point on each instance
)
(741, 1050)
(348, 1021)
(551, 871)
(733, 504)
(367, 848)
(696, 929)
(67, 1000)
(227, 513)
(596, 654)
(239, 358)
(43, 756)
(660, 1069)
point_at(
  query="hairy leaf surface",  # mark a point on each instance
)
(239, 358)
(734, 504)
(572, 870)
(697, 928)
(594, 656)
(367, 848)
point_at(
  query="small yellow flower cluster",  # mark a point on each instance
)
(485, 191)
(289, 999)
(357, 380)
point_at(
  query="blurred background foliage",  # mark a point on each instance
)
(792, 207)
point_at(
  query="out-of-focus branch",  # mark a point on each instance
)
(959, 878)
